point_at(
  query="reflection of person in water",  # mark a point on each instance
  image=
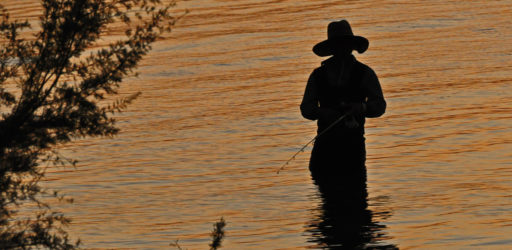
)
(341, 86)
(347, 225)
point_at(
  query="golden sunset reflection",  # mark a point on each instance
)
(219, 113)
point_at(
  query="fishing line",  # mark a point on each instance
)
(312, 140)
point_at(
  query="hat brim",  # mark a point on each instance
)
(327, 47)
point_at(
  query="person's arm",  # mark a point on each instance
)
(309, 105)
(375, 103)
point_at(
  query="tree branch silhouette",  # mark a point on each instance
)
(52, 84)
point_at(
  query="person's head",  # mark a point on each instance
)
(340, 41)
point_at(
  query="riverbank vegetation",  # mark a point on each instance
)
(53, 81)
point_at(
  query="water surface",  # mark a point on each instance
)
(219, 114)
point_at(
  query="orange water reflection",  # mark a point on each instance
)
(219, 114)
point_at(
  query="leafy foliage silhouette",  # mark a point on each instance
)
(53, 81)
(217, 234)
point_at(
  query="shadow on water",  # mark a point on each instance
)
(343, 219)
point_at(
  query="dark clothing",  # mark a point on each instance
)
(341, 80)
(340, 152)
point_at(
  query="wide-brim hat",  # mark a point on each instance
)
(339, 34)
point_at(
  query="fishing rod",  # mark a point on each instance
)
(312, 140)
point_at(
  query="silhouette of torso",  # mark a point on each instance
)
(339, 155)
(339, 80)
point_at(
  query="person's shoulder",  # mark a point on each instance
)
(365, 68)
(319, 70)
(315, 75)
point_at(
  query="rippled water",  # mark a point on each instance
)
(219, 115)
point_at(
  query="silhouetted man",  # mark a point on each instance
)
(341, 86)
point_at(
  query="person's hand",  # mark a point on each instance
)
(350, 122)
